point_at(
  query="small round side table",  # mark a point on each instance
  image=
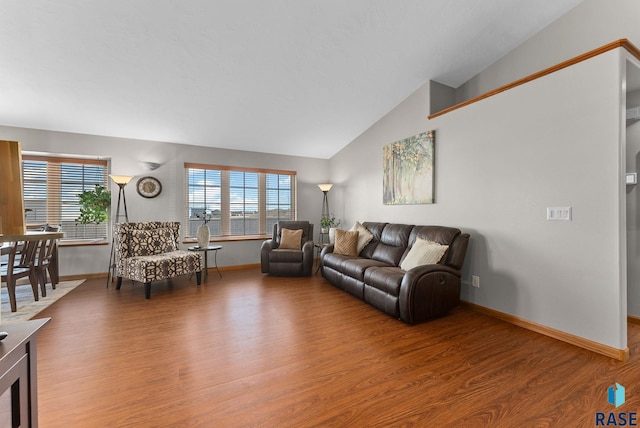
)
(206, 250)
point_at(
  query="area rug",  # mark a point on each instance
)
(27, 307)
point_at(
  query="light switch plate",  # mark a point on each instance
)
(559, 213)
(632, 178)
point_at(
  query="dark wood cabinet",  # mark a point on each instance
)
(18, 374)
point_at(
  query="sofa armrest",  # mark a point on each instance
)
(428, 291)
(265, 249)
(307, 256)
(419, 271)
(326, 250)
(307, 248)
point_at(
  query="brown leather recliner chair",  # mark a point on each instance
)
(288, 262)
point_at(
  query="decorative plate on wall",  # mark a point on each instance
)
(149, 187)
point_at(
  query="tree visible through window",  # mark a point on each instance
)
(51, 187)
(240, 201)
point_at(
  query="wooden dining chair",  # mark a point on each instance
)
(20, 265)
(44, 264)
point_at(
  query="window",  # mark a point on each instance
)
(239, 201)
(51, 186)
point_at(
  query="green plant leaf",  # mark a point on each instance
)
(94, 205)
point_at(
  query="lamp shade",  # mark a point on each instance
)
(120, 179)
(325, 187)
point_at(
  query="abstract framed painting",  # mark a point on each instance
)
(408, 170)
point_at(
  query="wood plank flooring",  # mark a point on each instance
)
(250, 350)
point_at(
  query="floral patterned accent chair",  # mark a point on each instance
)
(148, 251)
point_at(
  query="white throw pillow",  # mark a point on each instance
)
(364, 236)
(423, 252)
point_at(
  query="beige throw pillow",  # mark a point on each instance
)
(346, 243)
(364, 236)
(423, 252)
(290, 239)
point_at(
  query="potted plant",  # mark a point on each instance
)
(328, 225)
(94, 205)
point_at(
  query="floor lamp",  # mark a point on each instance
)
(325, 202)
(325, 210)
(121, 181)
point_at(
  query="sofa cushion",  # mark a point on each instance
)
(285, 256)
(346, 243)
(160, 266)
(376, 230)
(304, 225)
(440, 234)
(151, 242)
(290, 239)
(387, 279)
(349, 265)
(356, 267)
(393, 243)
(334, 260)
(364, 236)
(423, 252)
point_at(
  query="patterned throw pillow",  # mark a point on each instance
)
(346, 242)
(152, 242)
(423, 252)
(364, 236)
(290, 239)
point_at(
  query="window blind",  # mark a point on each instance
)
(237, 201)
(51, 186)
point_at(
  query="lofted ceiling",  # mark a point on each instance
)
(297, 77)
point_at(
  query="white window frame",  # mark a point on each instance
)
(57, 206)
(267, 204)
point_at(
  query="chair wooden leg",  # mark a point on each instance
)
(11, 289)
(147, 290)
(118, 283)
(33, 279)
(54, 268)
(42, 280)
(53, 275)
(198, 277)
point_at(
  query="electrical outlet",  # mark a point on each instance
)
(475, 281)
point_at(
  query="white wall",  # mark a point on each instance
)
(356, 170)
(499, 164)
(633, 210)
(488, 184)
(125, 154)
(591, 24)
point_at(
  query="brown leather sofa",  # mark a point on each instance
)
(288, 262)
(375, 275)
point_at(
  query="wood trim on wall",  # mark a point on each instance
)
(618, 354)
(64, 159)
(238, 168)
(83, 276)
(624, 43)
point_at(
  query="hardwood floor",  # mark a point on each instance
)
(250, 350)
